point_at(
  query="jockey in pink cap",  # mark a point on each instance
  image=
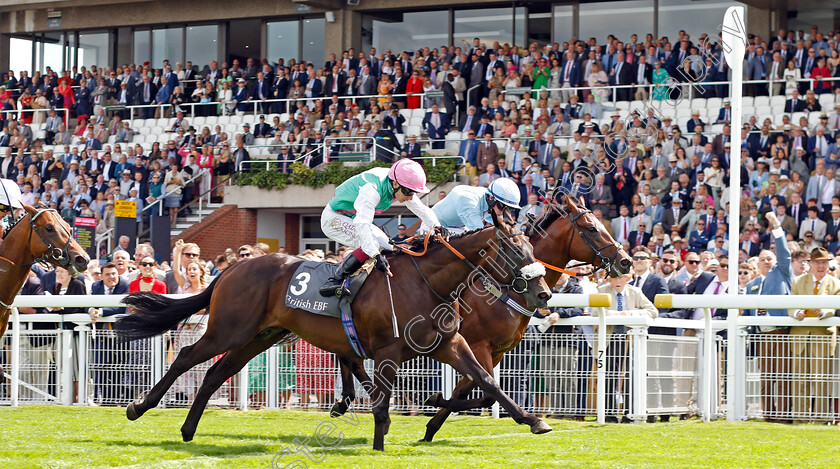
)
(348, 218)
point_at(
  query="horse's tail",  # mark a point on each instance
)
(154, 314)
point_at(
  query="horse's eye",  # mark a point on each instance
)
(49, 228)
(592, 229)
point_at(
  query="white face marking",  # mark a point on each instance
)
(532, 271)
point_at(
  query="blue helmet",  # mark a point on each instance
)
(504, 190)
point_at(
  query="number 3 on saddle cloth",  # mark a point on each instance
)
(303, 294)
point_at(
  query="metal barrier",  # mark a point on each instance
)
(629, 373)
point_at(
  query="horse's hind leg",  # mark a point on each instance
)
(227, 366)
(206, 348)
(348, 368)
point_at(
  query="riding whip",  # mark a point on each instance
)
(391, 297)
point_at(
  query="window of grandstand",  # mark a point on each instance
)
(705, 17)
(621, 19)
(564, 22)
(312, 49)
(407, 31)
(94, 48)
(167, 44)
(282, 39)
(202, 44)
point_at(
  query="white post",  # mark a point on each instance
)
(600, 367)
(494, 409)
(447, 381)
(15, 391)
(733, 37)
(272, 381)
(66, 357)
(708, 364)
(638, 377)
(82, 358)
(242, 392)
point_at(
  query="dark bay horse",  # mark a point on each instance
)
(564, 233)
(39, 236)
(247, 314)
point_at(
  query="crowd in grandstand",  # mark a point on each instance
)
(665, 198)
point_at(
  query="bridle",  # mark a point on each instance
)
(53, 254)
(606, 262)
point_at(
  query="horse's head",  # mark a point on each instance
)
(588, 241)
(523, 274)
(51, 240)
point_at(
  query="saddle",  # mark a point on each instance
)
(307, 280)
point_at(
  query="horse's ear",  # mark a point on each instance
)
(30, 209)
(571, 201)
(582, 200)
(496, 222)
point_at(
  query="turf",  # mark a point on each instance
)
(53, 436)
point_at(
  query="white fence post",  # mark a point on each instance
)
(82, 358)
(65, 363)
(600, 367)
(447, 381)
(272, 378)
(708, 364)
(494, 409)
(242, 392)
(736, 395)
(15, 391)
(638, 346)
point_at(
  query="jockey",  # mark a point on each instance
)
(9, 201)
(348, 218)
(465, 207)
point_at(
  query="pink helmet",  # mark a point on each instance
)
(409, 174)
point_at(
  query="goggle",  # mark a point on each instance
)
(5, 208)
(406, 191)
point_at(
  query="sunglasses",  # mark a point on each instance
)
(147, 264)
(406, 191)
(190, 254)
(669, 261)
(692, 262)
(244, 254)
(640, 258)
(724, 266)
(743, 272)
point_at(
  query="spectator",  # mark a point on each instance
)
(107, 388)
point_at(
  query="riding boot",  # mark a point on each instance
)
(335, 284)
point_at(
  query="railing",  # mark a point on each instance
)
(62, 111)
(586, 372)
(107, 238)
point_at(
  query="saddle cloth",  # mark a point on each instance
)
(310, 276)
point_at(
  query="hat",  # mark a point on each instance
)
(243, 125)
(51, 181)
(695, 112)
(837, 106)
(835, 209)
(76, 162)
(241, 80)
(672, 159)
(787, 127)
(83, 116)
(713, 263)
(589, 125)
(514, 136)
(727, 145)
(823, 115)
(819, 254)
(414, 136)
(799, 149)
(676, 239)
(110, 202)
(262, 116)
(126, 171)
(39, 90)
(677, 200)
(191, 129)
(784, 178)
(615, 114)
(726, 101)
(775, 171)
(667, 118)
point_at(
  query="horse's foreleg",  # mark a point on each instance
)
(458, 354)
(189, 356)
(383, 383)
(227, 366)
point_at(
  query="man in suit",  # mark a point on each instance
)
(601, 195)
(394, 120)
(794, 104)
(621, 224)
(622, 74)
(813, 225)
(775, 72)
(146, 93)
(672, 216)
(573, 109)
(367, 87)
(642, 76)
(469, 150)
(400, 85)
(639, 237)
(106, 384)
(757, 70)
(412, 148)
(262, 129)
(570, 75)
(436, 124)
(488, 153)
(725, 113)
(694, 122)
(470, 121)
(627, 300)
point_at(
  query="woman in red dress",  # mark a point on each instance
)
(818, 73)
(67, 96)
(414, 86)
(137, 378)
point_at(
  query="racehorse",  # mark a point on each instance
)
(247, 314)
(53, 242)
(564, 233)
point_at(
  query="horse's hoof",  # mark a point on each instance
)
(338, 409)
(131, 412)
(540, 427)
(187, 436)
(433, 400)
